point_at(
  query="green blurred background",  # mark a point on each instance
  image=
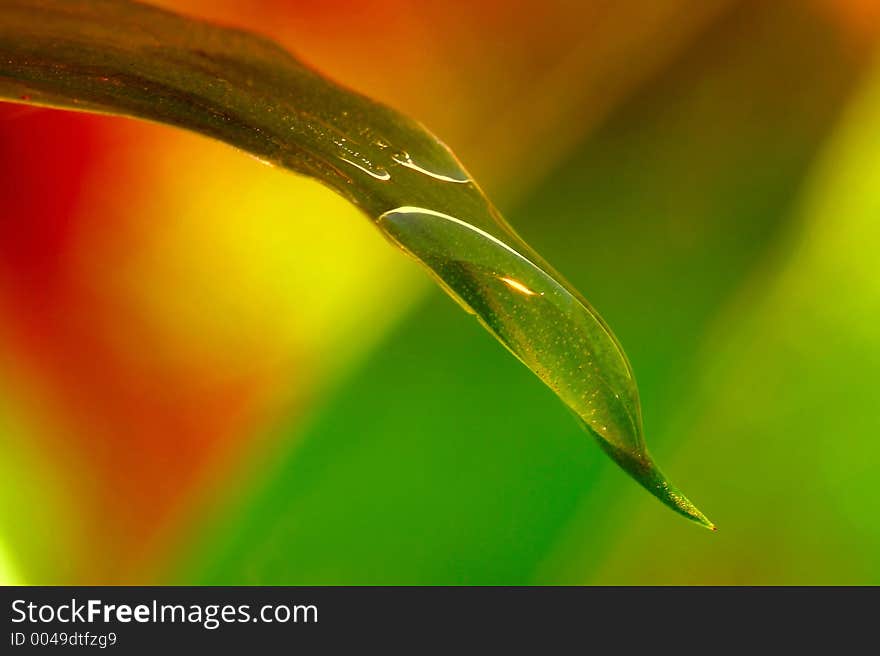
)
(720, 207)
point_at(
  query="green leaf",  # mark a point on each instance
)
(125, 58)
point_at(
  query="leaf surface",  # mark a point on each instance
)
(126, 58)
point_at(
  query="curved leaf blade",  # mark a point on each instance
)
(126, 58)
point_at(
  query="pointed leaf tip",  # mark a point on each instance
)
(642, 468)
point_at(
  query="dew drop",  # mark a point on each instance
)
(404, 159)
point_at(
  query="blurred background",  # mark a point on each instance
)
(214, 372)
